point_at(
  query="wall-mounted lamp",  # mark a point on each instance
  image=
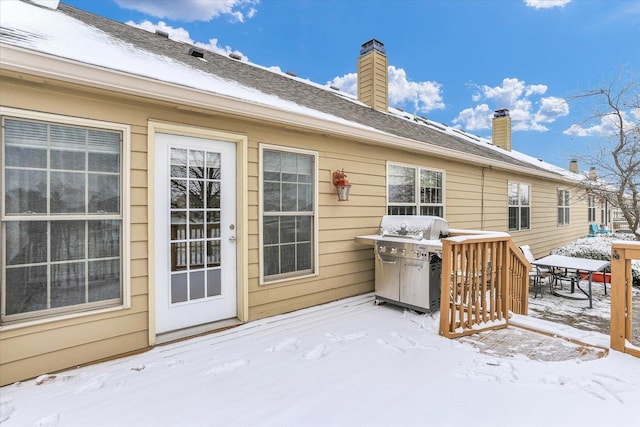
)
(342, 185)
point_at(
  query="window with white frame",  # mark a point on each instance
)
(519, 196)
(62, 217)
(564, 211)
(414, 190)
(591, 210)
(288, 205)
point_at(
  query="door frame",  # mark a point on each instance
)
(242, 251)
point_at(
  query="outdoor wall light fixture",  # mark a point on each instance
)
(342, 185)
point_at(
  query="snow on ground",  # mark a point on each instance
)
(341, 364)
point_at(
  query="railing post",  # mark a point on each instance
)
(621, 328)
(445, 289)
(618, 298)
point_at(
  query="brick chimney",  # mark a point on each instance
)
(501, 129)
(593, 173)
(573, 165)
(373, 76)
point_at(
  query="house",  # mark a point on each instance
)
(153, 190)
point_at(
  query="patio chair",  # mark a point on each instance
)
(596, 230)
(537, 273)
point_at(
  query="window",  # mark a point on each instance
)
(592, 208)
(564, 211)
(412, 190)
(288, 201)
(519, 196)
(62, 218)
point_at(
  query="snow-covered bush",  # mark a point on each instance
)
(599, 248)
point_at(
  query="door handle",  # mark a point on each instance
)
(232, 238)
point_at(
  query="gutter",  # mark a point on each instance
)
(46, 66)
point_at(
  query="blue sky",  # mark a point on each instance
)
(453, 61)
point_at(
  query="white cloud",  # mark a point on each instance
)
(182, 35)
(403, 93)
(476, 118)
(347, 83)
(520, 99)
(546, 4)
(193, 10)
(551, 108)
(607, 125)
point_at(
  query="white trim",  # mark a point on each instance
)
(45, 66)
(125, 194)
(558, 206)
(530, 205)
(416, 189)
(316, 257)
(242, 219)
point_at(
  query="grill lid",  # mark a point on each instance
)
(416, 227)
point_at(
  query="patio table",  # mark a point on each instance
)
(576, 265)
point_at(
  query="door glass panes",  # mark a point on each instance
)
(195, 213)
(62, 230)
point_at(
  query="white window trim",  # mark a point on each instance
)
(564, 190)
(593, 208)
(520, 206)
(126, 205)
(416, 190)
(315, 257)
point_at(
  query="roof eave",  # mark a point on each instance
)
(46, 66)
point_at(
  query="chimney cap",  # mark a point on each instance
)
(501, 113)
(372, 45)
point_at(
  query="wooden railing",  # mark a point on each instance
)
(484, 277)
(621, 301)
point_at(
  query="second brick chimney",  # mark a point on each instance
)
(373, 76)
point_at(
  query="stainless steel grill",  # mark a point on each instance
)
(408, 260)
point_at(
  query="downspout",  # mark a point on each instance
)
(482, 198)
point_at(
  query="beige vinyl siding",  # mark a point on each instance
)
(345, 268)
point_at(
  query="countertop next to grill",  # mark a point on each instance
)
(372, 239)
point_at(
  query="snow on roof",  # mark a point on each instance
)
(48, 31)
(487, 143)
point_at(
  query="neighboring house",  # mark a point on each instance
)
(152, 190)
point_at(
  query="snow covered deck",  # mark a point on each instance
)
(345, 363)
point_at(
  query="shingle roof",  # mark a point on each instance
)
(295, 90)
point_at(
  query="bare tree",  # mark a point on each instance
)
(616, 117)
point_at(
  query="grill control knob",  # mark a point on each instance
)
(403, 251)
(394, 250)
(418, 253)
(382, 249)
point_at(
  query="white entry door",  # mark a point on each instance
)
(195, 231)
